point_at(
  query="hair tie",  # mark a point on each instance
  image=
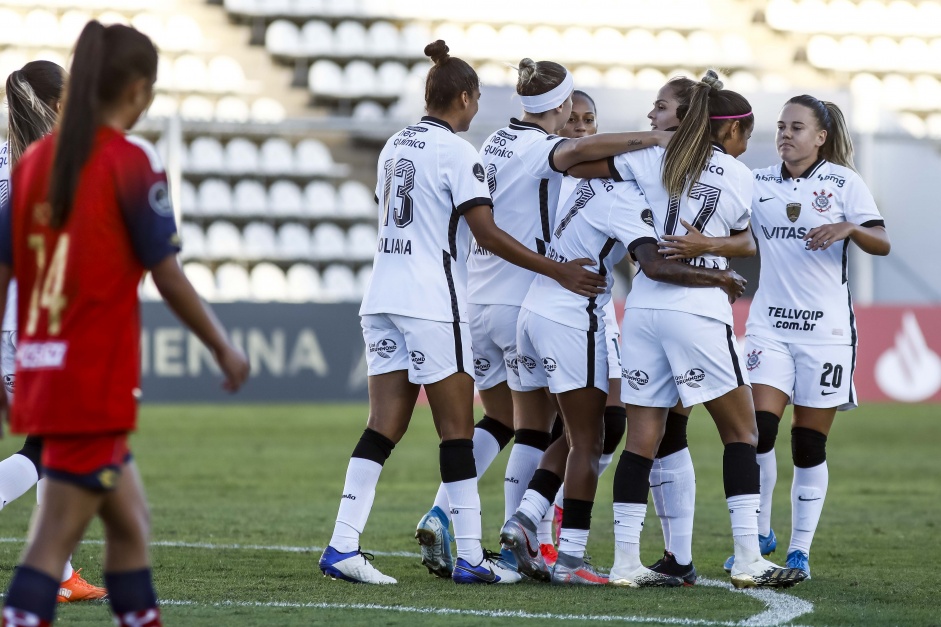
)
(729, 117)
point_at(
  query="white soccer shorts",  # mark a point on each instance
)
(672, 355)
(612, 335)
(813, 375)
(493, 336)
(8, 361)
(428, 349)
(560, 357)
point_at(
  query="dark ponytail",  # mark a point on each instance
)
(105, 61)
(838, 147)
(689, 150)
(32, 95)
(448, 79)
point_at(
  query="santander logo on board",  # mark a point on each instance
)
(909, 371)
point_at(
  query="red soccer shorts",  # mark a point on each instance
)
(91, 461)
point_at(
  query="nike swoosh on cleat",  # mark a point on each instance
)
(529, 550)
(800, 498)
(765, 199)
(827, 393)
(490, 577)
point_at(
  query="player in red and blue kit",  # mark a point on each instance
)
(91, 213)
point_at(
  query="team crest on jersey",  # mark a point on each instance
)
(753, 360)
(691, 377)
(793, 210)
(418, 359)
(159, 197)
(42, 214)
(481, 366)
(822, 201)
(384, 348)
(635, 378)
(479, 172)
(647, 216)
(550, 365)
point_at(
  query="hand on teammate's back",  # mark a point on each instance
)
(734, 285)
(573, 277)
(234, 366)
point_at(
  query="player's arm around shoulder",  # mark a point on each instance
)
(658, 268)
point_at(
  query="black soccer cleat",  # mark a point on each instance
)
(667, 565)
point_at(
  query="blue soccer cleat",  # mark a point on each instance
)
(354, 567)
(766, 546)
(799, 559)
(435, 542)
(491, 570)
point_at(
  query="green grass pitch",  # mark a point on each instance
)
(272, 475)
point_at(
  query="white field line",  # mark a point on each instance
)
(781, 607)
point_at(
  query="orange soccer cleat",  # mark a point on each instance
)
(75, 588)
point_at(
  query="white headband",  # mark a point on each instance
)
(552, 98)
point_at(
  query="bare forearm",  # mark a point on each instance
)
(738, 245)
(873, 240)
(188, 306)
(679, 273)
(602, 146)
(504, 246)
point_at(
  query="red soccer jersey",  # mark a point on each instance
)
(78, 355)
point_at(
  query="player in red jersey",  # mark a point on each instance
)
(91, 213)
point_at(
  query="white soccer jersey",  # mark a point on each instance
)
(803, 295)
(718, 204)
(524, 184)
(9, 314)
(603, 221)
(427, 178)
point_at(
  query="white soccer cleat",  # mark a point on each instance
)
(354, 567)
(630, 573)
(764, 574)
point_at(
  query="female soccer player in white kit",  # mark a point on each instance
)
(801, 335)
(678, 343)
(431, 187)
(33, 98)
(523, 163)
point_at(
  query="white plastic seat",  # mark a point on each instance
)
(349, 39)
(190, 73)
(163, 106)
(188, 203)
(363, 276)
(206, 155)
(359, 79)
(202, 279)
(414, 37)
(368, 111)
(390, 78)
(182, 33)
(282, 38)
(285, 199)
(383, 40)
(344, 8)
(197, 108)
(268, 283)
(259, 241)
(316, 39)
(276, 156)
(320, 199)
(303, 283)
(361, 242)
(325, 77)
(328, 243)
(241, 156)
(193, 241)
(232, 283)
(232, 109)
(226, 75)
(148, 289)
(249, 198)
(151, 25)
(355, 200)
(40, 28)
(339, 284)
(293, 241)
(310, 7)
(312, 157)
(268, 111)
(214, 197)
(223, 241)
(11, 29)
(70, 24)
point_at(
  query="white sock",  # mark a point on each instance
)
(544, 528)
(523, 462)
(808, 492)
(628, 523)
(743, 510)
(359, 492)
(17, 475)
(67, 571)
(604, 461)
(40, 491)
(465, 515)
(573, 542)
(560, 496)
(534, 506)
(673, 486)
(768, 464)
(486, 449)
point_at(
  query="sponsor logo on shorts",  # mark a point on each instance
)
(635, 378)
(513, 364)
(528, 362)
(8, 381)
(482, 365)
(418, 358)
(40, 355)
(550, 365)
(349, 496)
(753, 360)
(384, 348)
(691, 377)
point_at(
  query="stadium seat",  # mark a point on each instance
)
(328, 243)
(649, 79)
(241, 156)
(232, 283)
(359, 79)
(344, 8)
(736, 51)
(607, 43)
(259, 241)
(163, 106)
(311, 156)
(640, 45)
(202, 279)
(188, 203)
(619, 78)
(214, 197)
(390, 78)
(349, 39)
(206, 155)
(151, 25)
(249, 198)
(514, 39)
(303, 282)
(190, 73)
(671, 48)
(182, 33)
(268, 283)
(414, 38)
(285, 199)
(113, 17)
(282, 38)
(148, 289)
(383, 40)
(316, 39)
(705, 47)
(70, 24)
(226, 75)
(320, 199)
(11, 29)
(193, 240)
(40, 28)
(339, 284)
(484, 36)
(368, 111)
(276, 156)
(325, 78)
(361, 242)
(293, 241)
(223, 241)
(578, 42)
(268, 111)
(587, 76)
(197, 108)
(355, 200)
(304, 8)
(232, 109)
(363, 276)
